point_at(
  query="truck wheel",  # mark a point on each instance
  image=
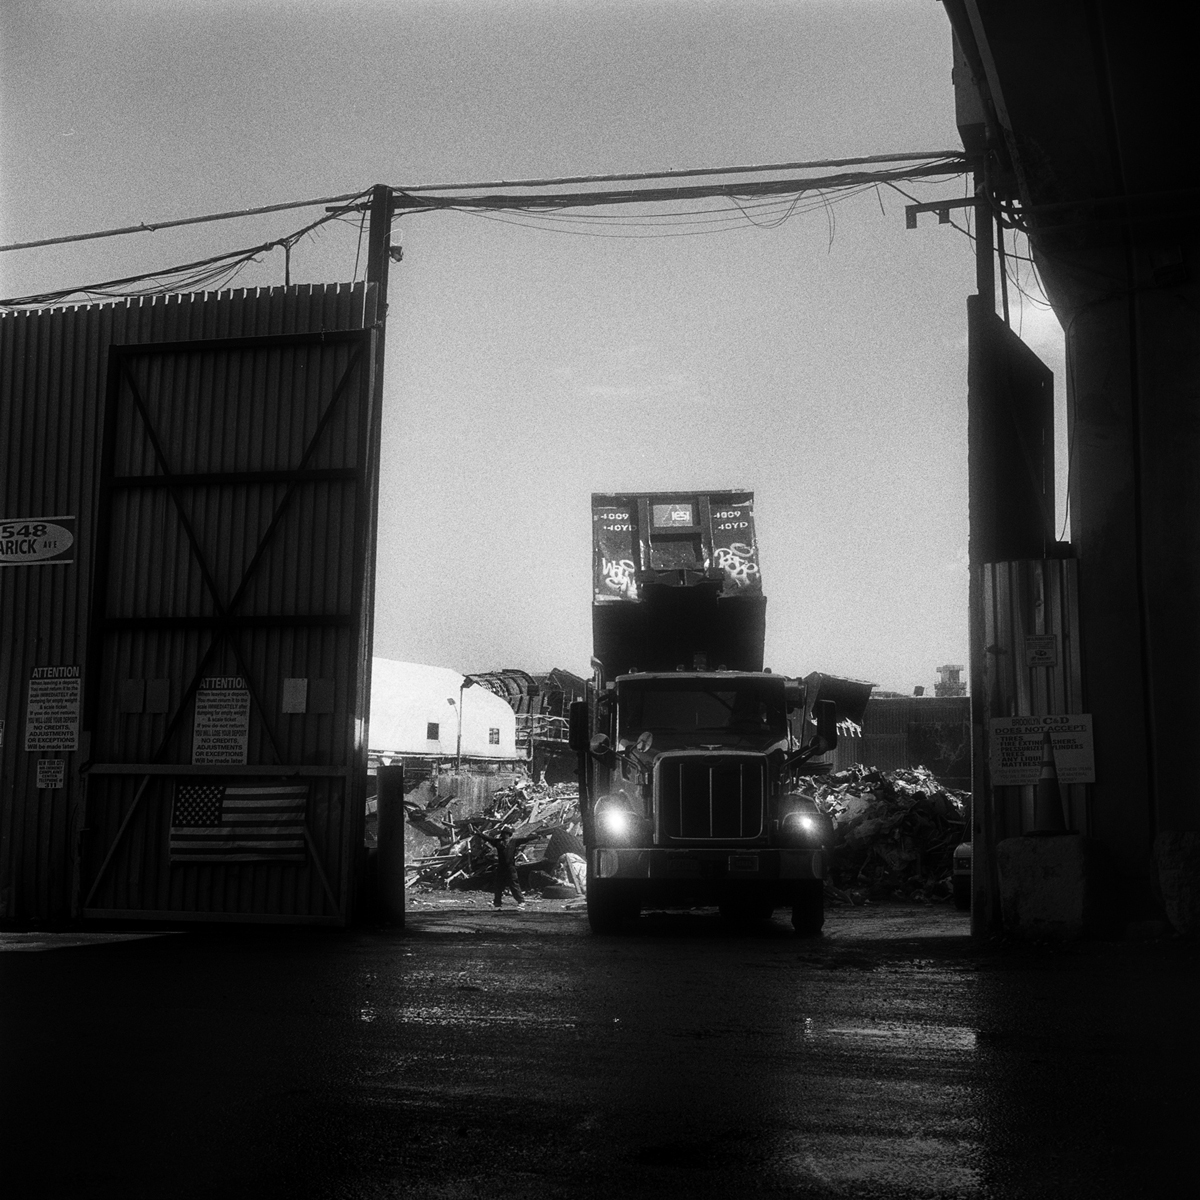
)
(607, 909)
(808, 910)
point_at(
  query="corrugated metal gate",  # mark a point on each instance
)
(1033, 597)
(225, 533)
(230, 547)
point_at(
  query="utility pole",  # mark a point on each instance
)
(379, 242)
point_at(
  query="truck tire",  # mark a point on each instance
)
(607, 909)
(808, 909)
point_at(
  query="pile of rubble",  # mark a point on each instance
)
(544, 819)
(894, 834)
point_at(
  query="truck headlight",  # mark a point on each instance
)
(801, 829)
(615, 822)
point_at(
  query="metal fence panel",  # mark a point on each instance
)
(220, 412)
(1021, 599)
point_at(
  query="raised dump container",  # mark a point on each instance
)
(676, 582)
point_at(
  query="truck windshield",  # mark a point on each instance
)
(744, 708)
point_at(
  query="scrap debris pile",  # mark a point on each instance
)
(894, 833)
(544, 820)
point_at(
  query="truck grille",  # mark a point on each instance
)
(710, 798)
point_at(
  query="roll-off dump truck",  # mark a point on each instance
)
(693, 759)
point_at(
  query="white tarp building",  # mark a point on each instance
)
(415, 710)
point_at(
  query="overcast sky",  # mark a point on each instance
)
(821, 365)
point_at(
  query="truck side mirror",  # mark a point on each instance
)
(577, 737)
(601, 749)
(825, 715)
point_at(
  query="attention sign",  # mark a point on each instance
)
(221, 729)
(37, 541)
(52, 716)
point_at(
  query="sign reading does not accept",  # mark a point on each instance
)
(1015, 749)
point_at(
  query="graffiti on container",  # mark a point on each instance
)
(618, 575)
(737, 561)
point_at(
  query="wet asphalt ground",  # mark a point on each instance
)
(510, 1053)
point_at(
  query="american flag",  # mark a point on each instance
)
(215, 823)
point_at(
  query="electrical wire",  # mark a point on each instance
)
(951, 157)
(696, 172)
(942, 168)
(217, 270)
(747, 203)
(760, 212)
(154, 227)
(362, 224)
(760, 215)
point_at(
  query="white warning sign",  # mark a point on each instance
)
(1015, 749)
(51, 773)
(52, 715)
(221, 728)
(1041, 650)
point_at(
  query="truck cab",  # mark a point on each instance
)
(696, 795)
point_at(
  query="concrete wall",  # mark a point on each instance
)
(1085, 103)
(1134, 379)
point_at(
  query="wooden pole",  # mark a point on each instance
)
(389, 893)
(379, 235)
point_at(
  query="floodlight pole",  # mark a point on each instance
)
(462, 687)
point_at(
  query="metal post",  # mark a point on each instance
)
(984, 893)
(985, 267)
(389, 884)
(458, 748)
(462, 687)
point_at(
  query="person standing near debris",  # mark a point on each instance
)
(506, 864)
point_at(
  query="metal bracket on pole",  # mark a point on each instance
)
(941, 207)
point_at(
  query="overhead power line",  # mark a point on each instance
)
(691, 172)
(155, 226)
(404, 199)
(219, 267)
(776, 199)
(949, 157)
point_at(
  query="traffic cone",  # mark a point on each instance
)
(1047, 807)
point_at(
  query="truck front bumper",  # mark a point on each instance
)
(723, 864)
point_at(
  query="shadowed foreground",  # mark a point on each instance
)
(510, 1053)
